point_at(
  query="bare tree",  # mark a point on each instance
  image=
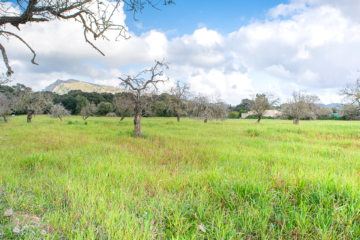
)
(58, 110)
(111, 114)
(302, 105)
(351, 94)
(6, 105)
(208, 108)
(124, 105)
(179, 94)
(144, 90)
(88, 110)
(95, 16)
(261, 103)
(33, 103)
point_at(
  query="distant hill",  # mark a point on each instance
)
(332, 105)
(64, 86)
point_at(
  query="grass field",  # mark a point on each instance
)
(187, 180)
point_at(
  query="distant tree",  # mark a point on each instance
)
(208, 108)
(144, 90)
(179, 95)
(300, 106)
(32, 103)
(351, 94)
(58, 110)
(243, 106)
(111, 114)
(96, 18)
(262, 102)
(104, 108)
(81, 102)
(7, 102)
(88, 111)
(124, 105)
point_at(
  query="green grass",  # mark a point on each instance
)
(187, 180)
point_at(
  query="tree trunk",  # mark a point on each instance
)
(205, 121)
(5, 119)
(29, 117)
(122, 117)
(178, 117)
(137, 123)
(296, 121)
(259, 118)
(60, 118)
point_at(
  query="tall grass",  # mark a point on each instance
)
(187, 180)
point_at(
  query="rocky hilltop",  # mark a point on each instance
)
(64, 86)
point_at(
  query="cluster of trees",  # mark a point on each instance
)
(140, 98)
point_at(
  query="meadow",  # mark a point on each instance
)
(187, 180)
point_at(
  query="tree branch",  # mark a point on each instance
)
(6, 60)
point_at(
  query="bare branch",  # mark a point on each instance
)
(12, 34)
(6, 60)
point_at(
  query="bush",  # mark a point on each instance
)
(105, 108)
(240, 112)
(256, 117)
(342, 118)
(112, 114)
(233, 114)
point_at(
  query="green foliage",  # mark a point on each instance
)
(256, 117)
(252, 132)
(81, 102)
(76, 123)
(233, 114)
(342, 118)
(104, 108)
(241, 112)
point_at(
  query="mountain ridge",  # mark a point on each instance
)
(64, 86)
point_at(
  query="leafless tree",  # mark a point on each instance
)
(144, 90)
(301, 105)
(351, 94)
(124, 105)
(33, 103)
(177, 100)
(58, 110)
(6, 105)
(111, 114)
(208, 108)
(88, 110)
(261, 103)
(4, 79)
(95, 16)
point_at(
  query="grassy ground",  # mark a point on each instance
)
(188, 180)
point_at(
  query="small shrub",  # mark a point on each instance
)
(233, 114)
(111, 114)
(252, 132)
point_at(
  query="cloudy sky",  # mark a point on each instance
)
(231, 48)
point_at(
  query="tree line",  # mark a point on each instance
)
(141, 97)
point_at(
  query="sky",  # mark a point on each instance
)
(233, 49)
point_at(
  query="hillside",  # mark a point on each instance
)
(64, 86)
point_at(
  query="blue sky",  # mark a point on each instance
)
(186, 16)
(233, 49)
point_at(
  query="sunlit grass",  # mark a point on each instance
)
(235, 179)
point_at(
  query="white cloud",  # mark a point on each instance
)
(304, 45)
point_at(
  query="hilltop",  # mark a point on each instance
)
(64, 86)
